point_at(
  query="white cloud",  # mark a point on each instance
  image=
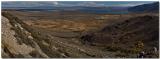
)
(55, 3)
(91, 3)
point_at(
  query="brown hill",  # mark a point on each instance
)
(126, 34)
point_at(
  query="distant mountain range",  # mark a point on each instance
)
(152, 7)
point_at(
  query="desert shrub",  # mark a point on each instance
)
(138, 46)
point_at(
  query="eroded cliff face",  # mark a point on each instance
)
(16, 41)
(10, 45)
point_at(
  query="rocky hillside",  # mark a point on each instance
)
(8, 35)
(124, 38)
(126, 35)
(32, 42)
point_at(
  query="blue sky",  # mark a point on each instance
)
(72, 3)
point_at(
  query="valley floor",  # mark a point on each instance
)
(60, 36)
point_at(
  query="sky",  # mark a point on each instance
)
(72, 3)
